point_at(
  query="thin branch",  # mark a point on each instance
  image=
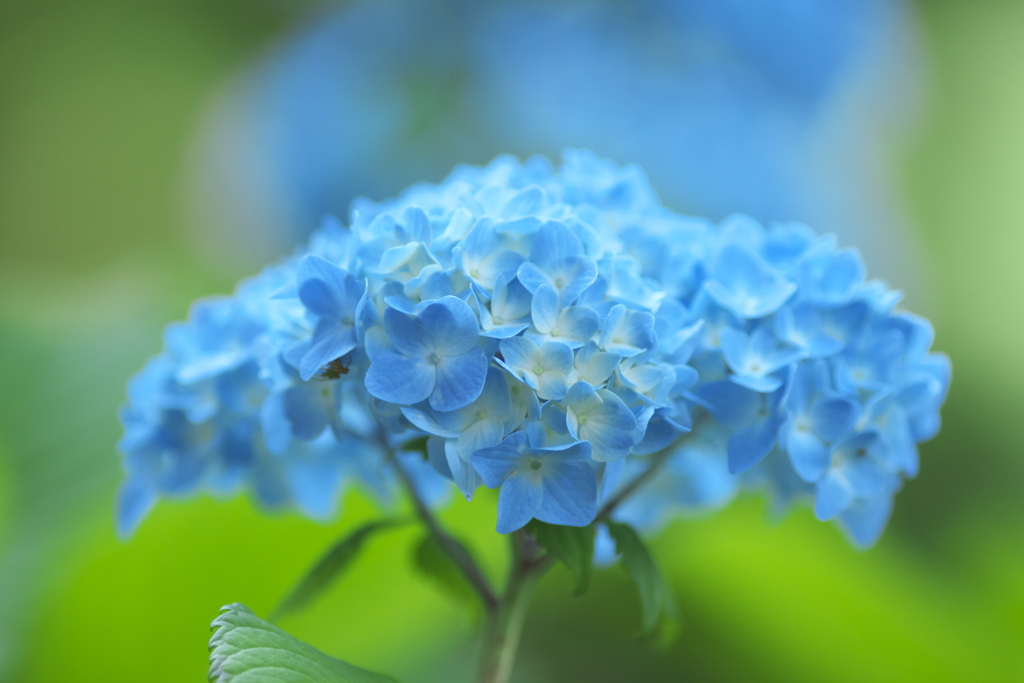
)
(658, 460)
(453, 548)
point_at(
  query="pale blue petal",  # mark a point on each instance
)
(832, 418)
(832, 496)
(518, 502)
(398, 379)
(556, 356)
(496, 463)
(809, 455)
(463, 474)
(451, 325)
(730, 404)
(424, 418)
(865, 519)
(544, 309)
(460, 379)
(570, 493)
(749, 446)
(331, 340)
(407, 334)
(532, 277)
(554, 245)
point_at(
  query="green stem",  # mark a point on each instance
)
(463, 560)
(505, 623)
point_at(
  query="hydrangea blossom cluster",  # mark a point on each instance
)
(552, 333)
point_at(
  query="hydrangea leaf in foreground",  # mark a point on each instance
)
(246, 649)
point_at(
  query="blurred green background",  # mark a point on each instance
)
(98, 103)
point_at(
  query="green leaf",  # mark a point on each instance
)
(434, 563)
(329, 567)
(656, 600)
(572, 545)
(246, 649)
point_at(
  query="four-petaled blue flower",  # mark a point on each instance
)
(436, 357)
(554, 485)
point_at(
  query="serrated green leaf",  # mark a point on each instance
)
(656, 599)
(329, 567)
(246, 649)
(572, 545)
(433, 562)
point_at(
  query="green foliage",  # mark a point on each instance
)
(246, 649)
(573, 546)
(329, 567)
(432, 561)
(656, 600)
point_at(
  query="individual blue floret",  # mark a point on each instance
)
(435, 357)
(554, 485)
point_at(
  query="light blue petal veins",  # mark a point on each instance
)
(555, 245)
(451, 325)
(749, 446)
(480, 434)
(545, 309)
(327, 290)
(135, 498)
(551, 386)
(532, 277)
(570, 492)
(416, 225)
(482, 258)
(808, 453)
(653, 380)
(866, 518)
(460, 379)
(542, 368)
(410, 258)
(555, 357)
(497, 462)
(518, 502)
(509, 307)
(746, 285)
(402, 380)
(627, 332)
(594, 366)
(557, 259)
(602, 419)
(407, 334)
(424, 418)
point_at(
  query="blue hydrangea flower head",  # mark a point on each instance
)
(551, 332)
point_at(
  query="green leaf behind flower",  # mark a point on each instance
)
(573, 546)
(329, 567)
(656, 600)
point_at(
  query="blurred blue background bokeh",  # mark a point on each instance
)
(153, 153)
